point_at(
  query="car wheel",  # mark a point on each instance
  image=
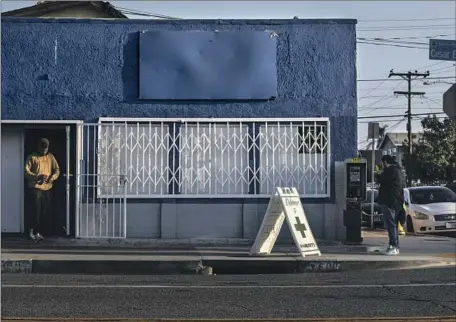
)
(409, 226)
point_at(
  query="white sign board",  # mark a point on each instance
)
(285, 204)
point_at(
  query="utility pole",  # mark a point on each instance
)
(408, 77)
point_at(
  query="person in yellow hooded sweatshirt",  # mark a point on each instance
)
(41, 170)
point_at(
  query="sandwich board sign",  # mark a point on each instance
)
(285, 204)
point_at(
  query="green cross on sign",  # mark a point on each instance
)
(300, 227)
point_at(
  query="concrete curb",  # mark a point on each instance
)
(206, 267)
(231, 267)
(16, 266)
(112, 267)
(352, 319)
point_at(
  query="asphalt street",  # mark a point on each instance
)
(413, 293)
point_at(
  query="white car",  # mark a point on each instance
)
(430, 209)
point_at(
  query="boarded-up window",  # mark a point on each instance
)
(207, 65)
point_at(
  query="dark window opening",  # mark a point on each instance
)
(312, 139)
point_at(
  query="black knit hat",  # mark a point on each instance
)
(388, 159)
(43, 142)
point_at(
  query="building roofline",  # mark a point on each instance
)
(380, 146)
(392, 141)
(183, 21)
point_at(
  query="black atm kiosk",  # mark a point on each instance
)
(356, 186)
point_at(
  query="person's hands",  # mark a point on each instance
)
(42, 177)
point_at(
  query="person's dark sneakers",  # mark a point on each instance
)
(39, 237)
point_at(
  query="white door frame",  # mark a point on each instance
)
(27, 124)
(21, 191)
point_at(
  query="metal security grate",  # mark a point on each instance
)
(245, 158)
(102, 182)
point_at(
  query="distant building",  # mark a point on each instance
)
(68, 9)
(395, 144)
(449, 102)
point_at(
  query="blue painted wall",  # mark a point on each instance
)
(85, 69)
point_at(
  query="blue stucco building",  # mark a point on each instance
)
(179, 128)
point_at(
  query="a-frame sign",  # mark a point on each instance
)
(285, 204)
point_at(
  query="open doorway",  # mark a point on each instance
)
(57, 136)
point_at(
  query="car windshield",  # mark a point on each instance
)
(368, 195)
(432, 195)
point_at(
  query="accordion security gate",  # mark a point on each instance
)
(194, 158)
(102, 204)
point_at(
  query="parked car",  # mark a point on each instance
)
(452, 186)
(430, 209)
(366, 210)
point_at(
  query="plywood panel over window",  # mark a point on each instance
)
(207, 65)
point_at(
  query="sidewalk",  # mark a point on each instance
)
(174, 257)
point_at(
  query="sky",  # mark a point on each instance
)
(410, 23)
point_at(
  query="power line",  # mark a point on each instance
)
(380, 28)
(373, 89)
(391, 106)
(394, 41)
(443, 68)
(422, 117)
(399, 115)
(433, 100)
(370, 121)
(155, 15)
(391, 45)
(419, 37)
(144, 13)
(429, 106)
(392, 127)
(370, 109)
(403, 20)
(376, 102)
(404, 106)
(390, 95)
(365, 89)
(445, 71)
(396, 107)
(434, 64)
(392, 80)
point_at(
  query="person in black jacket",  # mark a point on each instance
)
(391, 199)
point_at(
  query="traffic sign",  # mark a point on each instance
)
(285, 204)
(442, 49)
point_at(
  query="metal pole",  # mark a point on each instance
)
(409, 129)
(372, 182)
(67, 183)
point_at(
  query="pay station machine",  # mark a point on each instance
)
(356, 190)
